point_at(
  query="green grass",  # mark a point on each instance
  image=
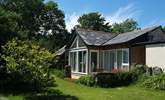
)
(122, 93)
(71, 91)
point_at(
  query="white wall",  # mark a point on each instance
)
(155, 55)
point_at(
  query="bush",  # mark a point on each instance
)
(155, 82)
(105, 79)
(114, 79)
(87, 80)
(27, 63)
(58, 73)
(139, 69)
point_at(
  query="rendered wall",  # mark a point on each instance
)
(155, 55)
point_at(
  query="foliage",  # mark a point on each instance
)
(155, 82)
(87, 80)
(139, 69)
(93, 21)
(53, 34)
(126, 26)
(115, 79)
(9, 25)
(58, 73)
(34, 20)
(28, 10)
(26, 62)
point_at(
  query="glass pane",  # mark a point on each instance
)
(101, 59)
(93, 61)
(125, 56)
(119, 59)
(112, 60)
(82, 61)
(73, 60)
(106, 60)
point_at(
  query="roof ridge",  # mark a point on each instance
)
(134, 32)
(90, 30)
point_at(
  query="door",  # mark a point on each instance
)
(94, 61)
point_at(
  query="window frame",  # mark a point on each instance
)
(116, 61)
(123, 63)
(77, 61)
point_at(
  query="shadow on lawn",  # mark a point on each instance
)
(50, 95)
(29, 94)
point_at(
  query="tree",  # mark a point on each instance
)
(26, 62)
(42, 22)
(126, 26)
(93, 21)
(9, 26)
(28, 10)
(53, 34)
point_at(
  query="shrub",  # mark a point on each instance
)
(105, 79)
(114, 79)
(125, 78)
(58, 73)
(87, 80)
(27, 63)
(155, 82)
(139, 69)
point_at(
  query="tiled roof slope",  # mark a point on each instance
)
(95, 38)
(98, 38)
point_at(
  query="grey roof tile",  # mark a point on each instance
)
(125, 37)
(95, 38)
(99, 38)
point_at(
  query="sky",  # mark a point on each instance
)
(146, 12)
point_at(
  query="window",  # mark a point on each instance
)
(82, 61)
(77, 43)
(125, 56)
(112, 59)
(119, 59)
(94, 62)
(73, 60)
(101, 57)
(107, 60)
(78, 61)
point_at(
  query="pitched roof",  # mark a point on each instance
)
(125, 37)
(61, 51)
(98, 38)
(95, 38)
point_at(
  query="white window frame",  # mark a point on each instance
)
(115, 51)
(77, 44)
(127, 50)
(97, 51)
(77, 60)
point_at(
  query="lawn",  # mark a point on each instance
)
(66, 90)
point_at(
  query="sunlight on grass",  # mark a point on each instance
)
(67, 89)
(122, 93)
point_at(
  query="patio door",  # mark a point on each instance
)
(94, 60)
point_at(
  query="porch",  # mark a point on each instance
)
(86, 61)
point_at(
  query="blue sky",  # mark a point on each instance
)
(145, 12)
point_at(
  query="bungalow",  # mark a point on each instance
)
(96, 51)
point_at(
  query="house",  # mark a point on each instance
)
(96, 51)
